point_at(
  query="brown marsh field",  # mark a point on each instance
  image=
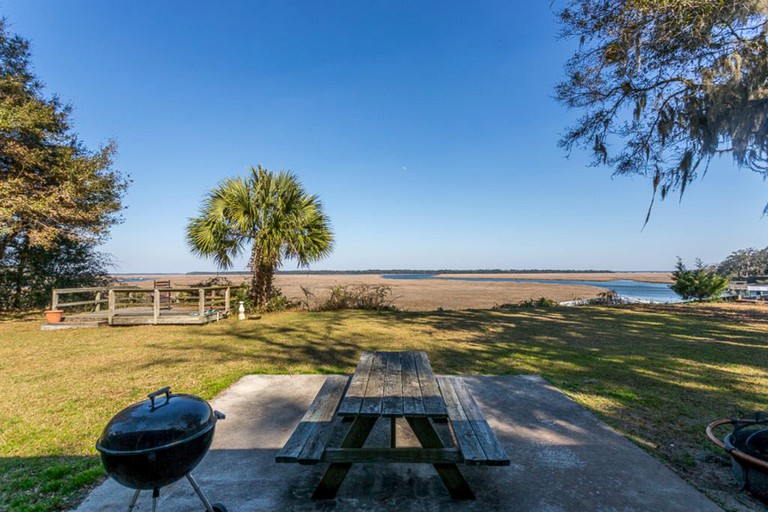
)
(431, 294)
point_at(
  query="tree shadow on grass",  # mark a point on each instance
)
(658, 374)
(46, 483)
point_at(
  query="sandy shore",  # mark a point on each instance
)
(430, 294)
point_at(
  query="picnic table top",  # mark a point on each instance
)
(393, 384)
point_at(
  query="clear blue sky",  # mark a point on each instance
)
(428, 129)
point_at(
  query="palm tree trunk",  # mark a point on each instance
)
(262, 278)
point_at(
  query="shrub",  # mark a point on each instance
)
(700, 283)
(242, 294)
(213, 281)
(368, 297)
(279, 302)
(609, 297)
(541, 302)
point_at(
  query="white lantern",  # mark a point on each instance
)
(241, 311)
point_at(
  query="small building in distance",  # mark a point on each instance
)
(757, 290)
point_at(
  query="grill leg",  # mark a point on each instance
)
(200, 493)
(134, 500)
(155, 498)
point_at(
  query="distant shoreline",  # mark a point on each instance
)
(394, 271)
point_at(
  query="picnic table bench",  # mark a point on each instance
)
(391, 385)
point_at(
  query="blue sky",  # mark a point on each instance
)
(428, 129)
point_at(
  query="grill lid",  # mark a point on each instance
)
(159, 422)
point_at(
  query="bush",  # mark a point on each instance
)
(368, 297)
(242, 294)
(541, 302)
(279, 302)
(700, 283)
(609, 297)
(213, 281)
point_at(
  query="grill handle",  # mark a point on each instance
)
(164, 391)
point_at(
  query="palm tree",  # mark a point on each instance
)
(270, 213)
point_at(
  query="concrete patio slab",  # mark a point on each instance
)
(563, 459)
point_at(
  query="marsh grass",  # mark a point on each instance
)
(658, 374)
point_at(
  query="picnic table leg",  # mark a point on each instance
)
(336, 473)
(449, 473)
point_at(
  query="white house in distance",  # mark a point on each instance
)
(745, 290)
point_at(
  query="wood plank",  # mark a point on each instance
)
(321, 416)
(324, 405)
(311, 435)
(494, 451)
(413, 403)
(80, 303)
(448, 472)
(353, 399)
(433, 402)
(374, 391)
(389, 455)
(336, 473)
(79, 290)
(292, 448)
(392, 405)
(465, 435)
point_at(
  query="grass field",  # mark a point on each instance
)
(658, 374)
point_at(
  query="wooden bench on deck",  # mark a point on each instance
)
(165, 297)
(388, 385)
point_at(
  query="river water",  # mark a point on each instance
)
(651, 292)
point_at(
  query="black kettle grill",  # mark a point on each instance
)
(149, 445)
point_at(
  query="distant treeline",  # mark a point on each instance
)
(412, 271)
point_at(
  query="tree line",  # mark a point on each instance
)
(745, 264)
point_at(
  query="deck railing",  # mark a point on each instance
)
(203, 301)
(96, 302)
(209, 300)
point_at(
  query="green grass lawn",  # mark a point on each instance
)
(658, 374)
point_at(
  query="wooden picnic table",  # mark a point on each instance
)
(387, 386)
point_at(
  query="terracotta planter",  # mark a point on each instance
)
(53, 316)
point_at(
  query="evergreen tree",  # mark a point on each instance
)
(53, 190)
(700, 283)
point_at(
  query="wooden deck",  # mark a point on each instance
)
(145, 316)
(131, 306)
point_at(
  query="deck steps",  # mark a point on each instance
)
(74, 325)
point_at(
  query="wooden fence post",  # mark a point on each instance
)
(98, 301)
(156, 306)
(226, 301)
(201, 304)
(111, 304)
(55, 300)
